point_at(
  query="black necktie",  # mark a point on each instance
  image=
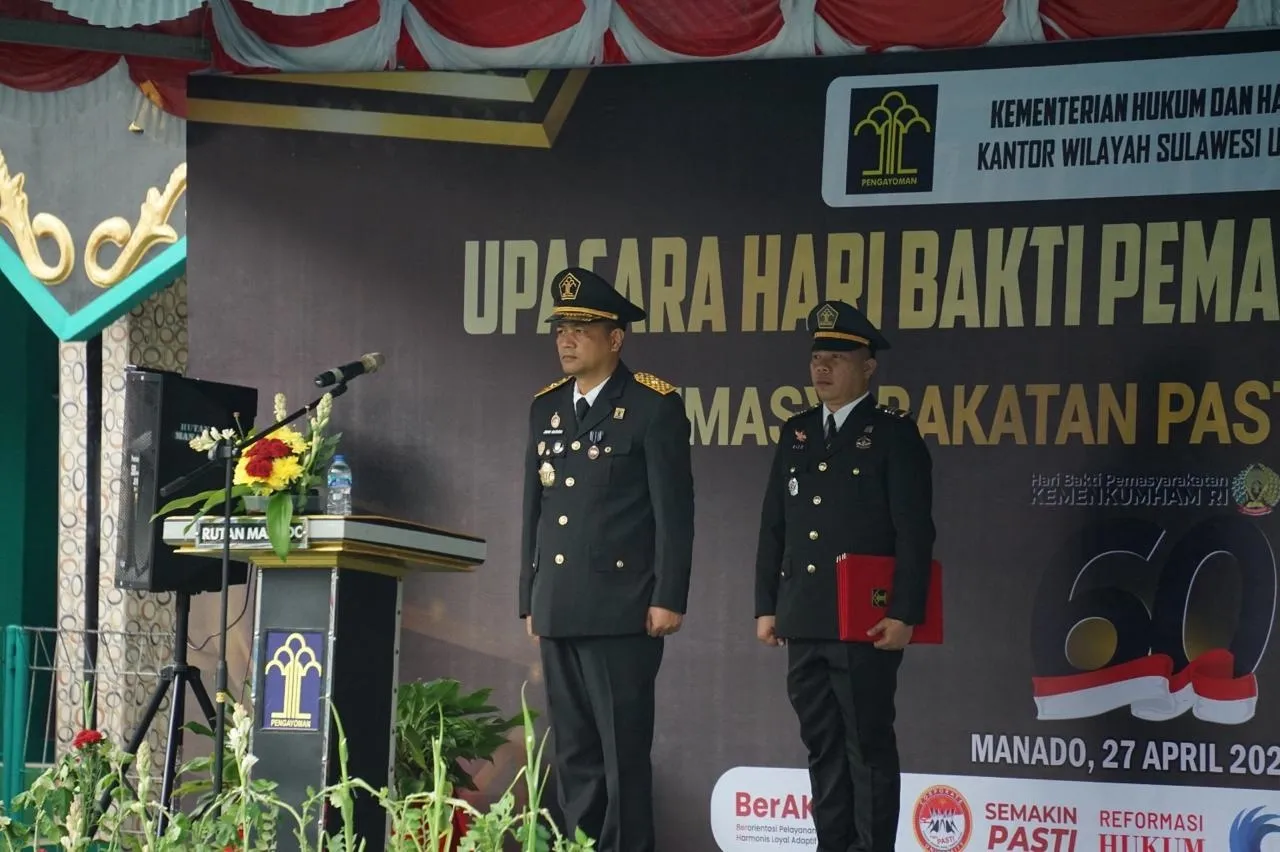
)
(582, 407)
(831, 428)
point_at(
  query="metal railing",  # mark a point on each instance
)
(44, 697)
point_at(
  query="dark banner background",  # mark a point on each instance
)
(309, 249)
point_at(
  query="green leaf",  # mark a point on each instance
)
(279, 520)
(216, 497)
(199, 729)
(186, 502)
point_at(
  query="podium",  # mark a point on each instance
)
(327, 631)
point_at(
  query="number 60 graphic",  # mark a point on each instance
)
(1112, 627)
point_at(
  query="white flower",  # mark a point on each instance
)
(209, 438)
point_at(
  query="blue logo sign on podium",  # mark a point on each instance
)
(293, 679)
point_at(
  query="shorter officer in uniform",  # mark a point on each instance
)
(849, 476)
(607, 551)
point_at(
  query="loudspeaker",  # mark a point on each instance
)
(162, 412)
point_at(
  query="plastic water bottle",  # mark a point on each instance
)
(339, 487)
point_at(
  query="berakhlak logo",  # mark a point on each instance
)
(892, 138)
(1256, 490)
(1251, 829)
(943, 821)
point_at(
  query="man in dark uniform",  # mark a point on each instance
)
(607, 550)
(849, 477)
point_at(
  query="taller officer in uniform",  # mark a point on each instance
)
(607, 550)
(849, 476)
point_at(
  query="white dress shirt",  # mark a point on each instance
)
(590, 395)
(842, 413)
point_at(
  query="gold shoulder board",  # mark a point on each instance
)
(654, 383)
(891, 411)
(557, 383)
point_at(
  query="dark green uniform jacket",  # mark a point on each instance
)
(608, 508)
(871, 493)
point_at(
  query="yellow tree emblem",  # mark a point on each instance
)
(294, 660)
(891, 120)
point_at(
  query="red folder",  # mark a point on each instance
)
(864, 588)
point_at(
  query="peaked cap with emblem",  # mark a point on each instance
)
(582, 296)
(840, 327)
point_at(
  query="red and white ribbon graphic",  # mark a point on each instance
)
(1207, 687)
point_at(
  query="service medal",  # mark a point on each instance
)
(593, 452)
(547, 474)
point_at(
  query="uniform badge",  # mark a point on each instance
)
(542, 447)
(593, 452)
(547, 474)
(558, 448)
(863, 442)
(800, 436)
(619, 413)
(793, 487)
(555, 420)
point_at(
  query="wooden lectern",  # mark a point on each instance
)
(327, 630)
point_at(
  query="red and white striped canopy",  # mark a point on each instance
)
(38, 84)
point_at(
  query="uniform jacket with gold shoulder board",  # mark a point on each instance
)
(608, 508)
(871, 493)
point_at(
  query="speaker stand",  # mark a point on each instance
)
(177, 676)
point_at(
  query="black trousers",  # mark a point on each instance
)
(843, 695)
(600, 691)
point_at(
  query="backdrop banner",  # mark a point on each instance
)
(1072, 250)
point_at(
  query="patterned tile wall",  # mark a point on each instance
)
(136, 629)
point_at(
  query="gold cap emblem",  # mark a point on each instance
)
(569, 287)
(827, 316)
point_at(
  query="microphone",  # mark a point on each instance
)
(340, 375)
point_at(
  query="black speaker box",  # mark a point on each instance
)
(162, 412)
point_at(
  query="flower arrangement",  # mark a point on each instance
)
(61, 808)
(281, 470)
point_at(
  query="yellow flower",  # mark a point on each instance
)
(242, 476)
(284, 472)
(295, 441)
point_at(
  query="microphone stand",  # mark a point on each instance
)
(227, 451)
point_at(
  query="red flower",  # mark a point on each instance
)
(87, 738)
(269, 448)
(258, 467)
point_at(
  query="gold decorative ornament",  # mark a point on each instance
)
(26, 231)
(557, 383)
(569, 286)
(153, 228)
(654, 383)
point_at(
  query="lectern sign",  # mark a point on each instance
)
(293, 678)
(249, 533)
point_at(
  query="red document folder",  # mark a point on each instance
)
(864, 588)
